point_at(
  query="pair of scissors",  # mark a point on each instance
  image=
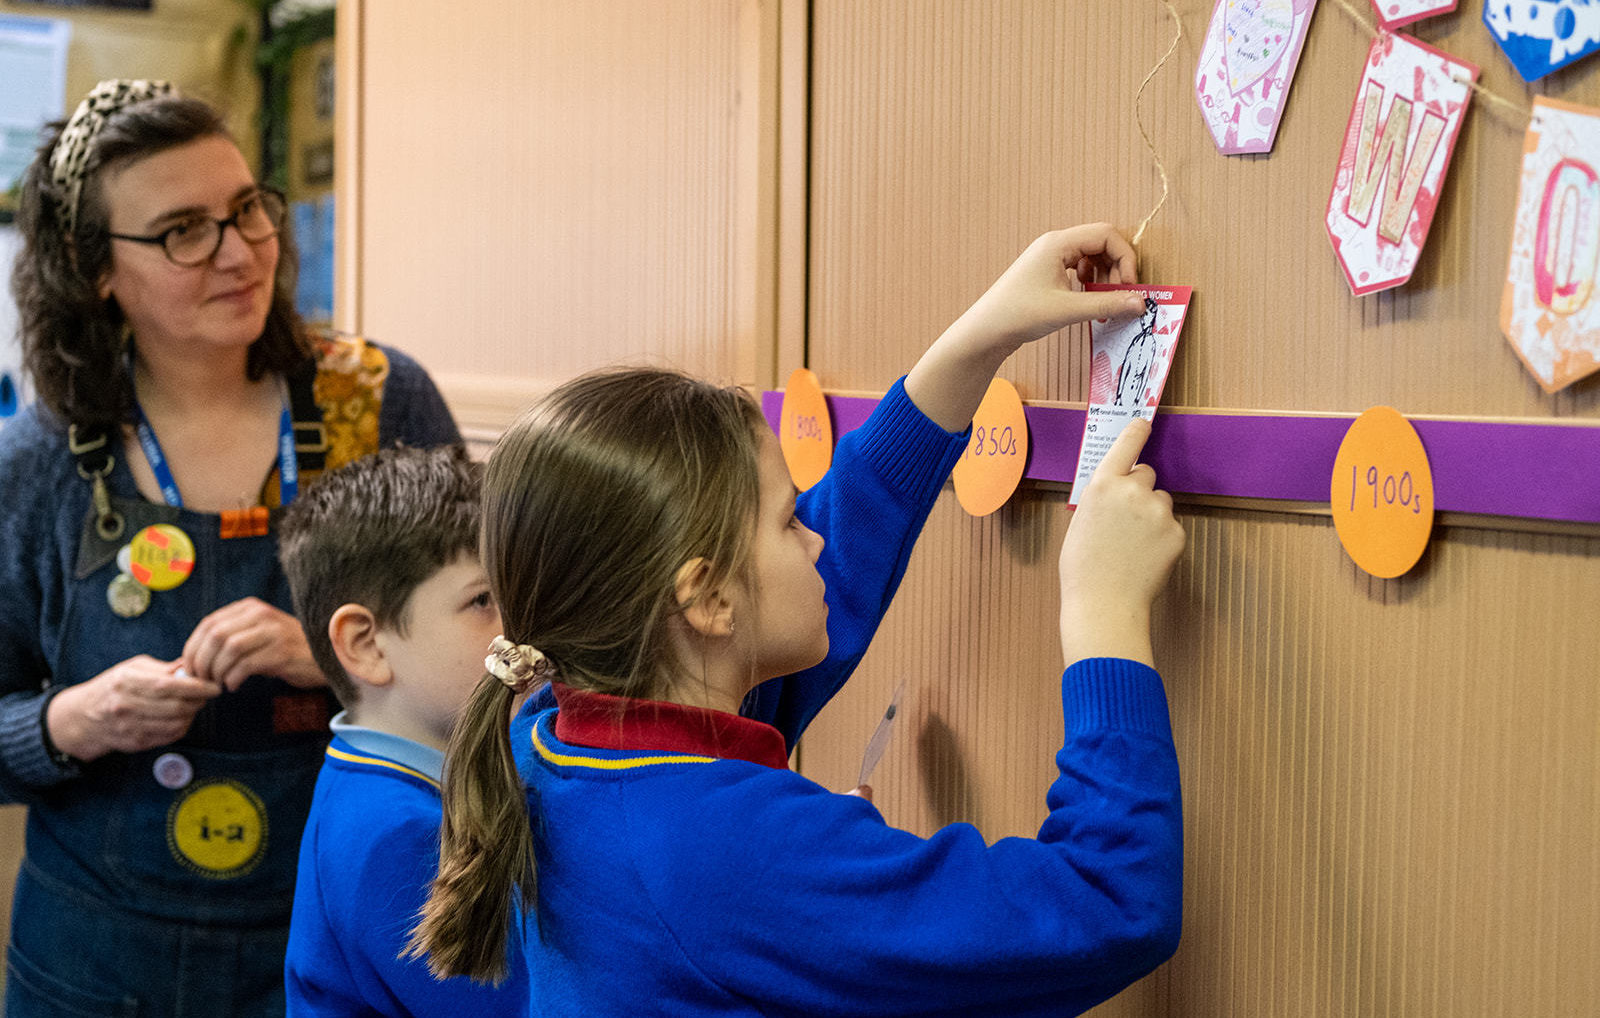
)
(880, 738)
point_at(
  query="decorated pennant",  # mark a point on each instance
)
(1128, 365)
(1394, 13)
(1397, 147)
(1246, 67)
(1540, 36)
(1548, 309)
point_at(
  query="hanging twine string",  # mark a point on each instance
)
(1520, 110)
(1177, 37)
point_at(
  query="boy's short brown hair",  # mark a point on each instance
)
(370, 533)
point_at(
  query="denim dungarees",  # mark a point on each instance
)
(139, 899)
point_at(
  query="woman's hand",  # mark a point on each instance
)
(1039, 294)
(250, 637)
(137, 704)
(1119, 551)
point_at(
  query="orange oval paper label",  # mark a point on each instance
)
(991, 468)
(805, 432)
(1382, 493)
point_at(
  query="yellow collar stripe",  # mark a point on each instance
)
(339, 754)
(600, 763)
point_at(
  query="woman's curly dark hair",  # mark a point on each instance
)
(72, 340)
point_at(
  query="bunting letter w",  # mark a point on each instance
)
(1381, 156)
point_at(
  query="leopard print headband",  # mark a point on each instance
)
(71, 152)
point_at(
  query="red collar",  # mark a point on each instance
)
(599, 721)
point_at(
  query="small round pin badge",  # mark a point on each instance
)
(161, 556)
(173, 770)
(127, 597)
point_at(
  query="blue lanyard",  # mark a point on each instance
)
(288, 468)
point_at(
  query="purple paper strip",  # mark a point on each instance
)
(1536, 471)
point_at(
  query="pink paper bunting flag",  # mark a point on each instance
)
(1246, 67)
(1397, 146)
(1547, 309)
(1394, 13)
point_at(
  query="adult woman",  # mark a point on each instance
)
(162, 717)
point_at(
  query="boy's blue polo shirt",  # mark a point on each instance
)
(368, 856)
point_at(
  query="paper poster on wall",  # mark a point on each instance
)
(1397, 147)
(1394, 13)
(1246, 67)
(1128, 365)
(1548, 310)
(1540, 36)
(33, 85)
(12, 388)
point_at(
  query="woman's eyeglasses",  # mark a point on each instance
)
(196, 241)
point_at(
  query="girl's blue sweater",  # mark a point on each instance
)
(673, 881)
(684, 870)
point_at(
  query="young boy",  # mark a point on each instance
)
(382, 560)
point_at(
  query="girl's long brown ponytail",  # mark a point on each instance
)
(485, 850)
(592, 502)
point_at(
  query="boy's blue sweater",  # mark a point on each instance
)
(368, 855)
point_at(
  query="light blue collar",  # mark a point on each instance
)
(391, 747)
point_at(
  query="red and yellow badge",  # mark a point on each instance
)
(160, 556)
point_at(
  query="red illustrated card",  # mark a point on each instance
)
(1128, 365)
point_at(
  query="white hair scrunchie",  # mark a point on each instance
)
(517, 665)
(71, 152)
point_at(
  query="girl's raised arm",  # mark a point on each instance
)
(1031, 299)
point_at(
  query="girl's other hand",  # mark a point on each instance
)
(1120, 548)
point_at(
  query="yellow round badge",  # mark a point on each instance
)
(161, 556)
(218, 829)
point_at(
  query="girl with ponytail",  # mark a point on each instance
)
(650, 555)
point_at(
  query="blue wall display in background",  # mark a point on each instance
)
(10, 397)
(1541, 36)
(313, 234)
(13, 391)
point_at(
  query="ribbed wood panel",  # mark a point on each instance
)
(1392, 788)
(551, 186)
(945, 135)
